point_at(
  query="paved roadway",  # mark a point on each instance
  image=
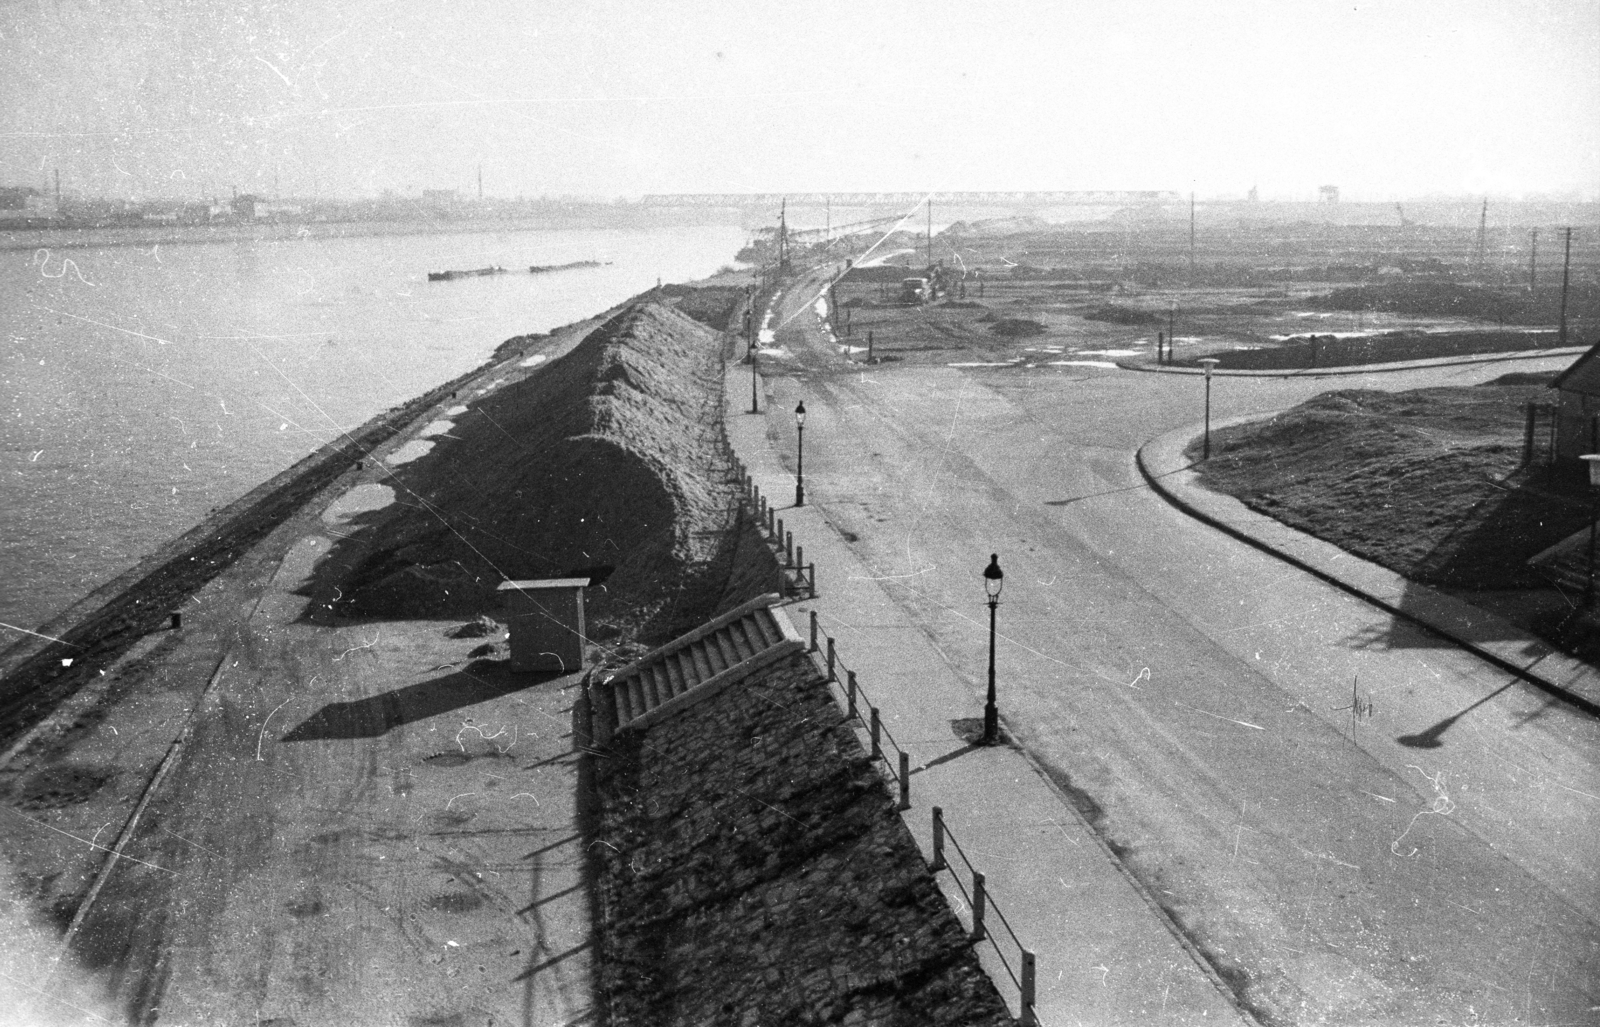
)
(1195, 692)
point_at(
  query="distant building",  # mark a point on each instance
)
(25, 203)
(1327, 194)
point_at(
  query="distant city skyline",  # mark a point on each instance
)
(166, 98)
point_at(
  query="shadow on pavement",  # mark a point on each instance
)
(1430, 739)
(375, 716)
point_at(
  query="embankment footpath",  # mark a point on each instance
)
(1065, 896)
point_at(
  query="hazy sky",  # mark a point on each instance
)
(192, 97)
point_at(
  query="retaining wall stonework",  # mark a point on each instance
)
(751, 870)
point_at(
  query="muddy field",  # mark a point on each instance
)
(1026, 293)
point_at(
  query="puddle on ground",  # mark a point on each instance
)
(359, 500)
(534, 361)
(410, 451)
(455, 411)
(435, 428)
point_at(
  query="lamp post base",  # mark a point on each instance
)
(991, 724)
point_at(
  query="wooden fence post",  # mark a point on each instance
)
(938, 839)
(813, 632)
(850, 696)
(1029, 977)
(877, 746)
(811, 580)
(832, 675)
(905, 781)
(978, 902)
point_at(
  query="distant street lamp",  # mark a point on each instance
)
(800, 454)
(1208, 363)
(993, 581)
(750, 336)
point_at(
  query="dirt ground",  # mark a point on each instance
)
(1102, 292)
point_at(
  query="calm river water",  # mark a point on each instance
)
(146, 385)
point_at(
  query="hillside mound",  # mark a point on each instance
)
(608, 461)
(1428, 483)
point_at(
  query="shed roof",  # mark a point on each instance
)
(543, 583)
(1583, 375)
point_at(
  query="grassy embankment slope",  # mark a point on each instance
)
(1427, 483)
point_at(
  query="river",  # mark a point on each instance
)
(148, 385)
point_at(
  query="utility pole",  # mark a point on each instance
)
(1566, 267)
(1483, 231)
(1191, 237)
(1533, 263)
(783, 234)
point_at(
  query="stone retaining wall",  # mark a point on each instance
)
(751, 870)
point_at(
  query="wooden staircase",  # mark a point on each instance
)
(694, 667)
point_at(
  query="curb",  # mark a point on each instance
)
(1334, 372)
(1152, 467)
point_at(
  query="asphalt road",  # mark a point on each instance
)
(1196, 694)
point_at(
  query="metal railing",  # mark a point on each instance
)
(978, 899)
(854, 697)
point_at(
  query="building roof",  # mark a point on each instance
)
(1583, 375)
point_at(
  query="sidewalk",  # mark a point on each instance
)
(1330, 372)
(1105, 952)
(1164, 466)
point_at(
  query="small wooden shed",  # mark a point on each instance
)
(545, 620)
(1578, 406)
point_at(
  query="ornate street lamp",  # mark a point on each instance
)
(800, 454)
(993, 581)
(1208, 363)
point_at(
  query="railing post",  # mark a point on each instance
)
(850, 696)
(978, 902)
(1028, 988)
(799, 559)
(832, 674)
(938, 839)
(905, 781)
(813, 632)
(877, 746)
(779, 533)
(788, 548)
(811, 579)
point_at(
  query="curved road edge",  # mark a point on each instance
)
(1171, 475)
(1355, 369)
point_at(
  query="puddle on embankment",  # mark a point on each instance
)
(413, 450)
(359, 500)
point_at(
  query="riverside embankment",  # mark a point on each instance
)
(325, 792)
